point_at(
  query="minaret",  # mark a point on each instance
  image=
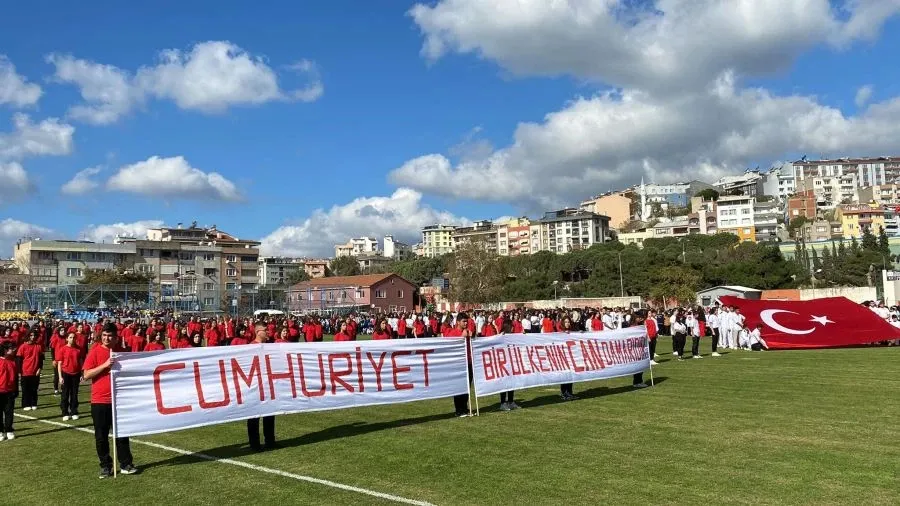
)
(645, 212)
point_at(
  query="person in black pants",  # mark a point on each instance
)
(679, 337)
(9, 389)
(565, 390)
(268, 422)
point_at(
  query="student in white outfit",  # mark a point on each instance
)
(725, 327)
(712, 321)
(743, 342)
(738, 325)
(756, 341)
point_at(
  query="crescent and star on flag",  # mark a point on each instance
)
(768, 317)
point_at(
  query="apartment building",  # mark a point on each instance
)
(49, 263)
(802, 205)
(637, 238)
(779, 182)
(514, 237)
(615, 205)
(12, 284)
(315, 268)
(701, 222)
(830, 190)
(820, 230)
(734, 214)
(871, 171)
(483, 232)
(395, 249)
(356, 247)
(882, 195)
(277, 270)
(856, 218)
(765, 221)
(749, 184)
(571, 229)
(437, 240)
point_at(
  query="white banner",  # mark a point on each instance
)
(179, 389)
(517, 361)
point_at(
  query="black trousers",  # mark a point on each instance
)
(756, 347)
(102, 415)
(68, 401)
(268, 423)
(715, 340)
(507, 396)
(695, 346)
(30, 390)
(566, 389)
(652, 347)
(56, 379)
(637, 378)
(461, 404)
(678, 342)
(7, 405)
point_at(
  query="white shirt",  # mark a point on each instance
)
(883, 312)
(712, 321)
(526, 324)
(479, 323)
(755, 338)
(738, 320)
(609, 323)
(678, 328)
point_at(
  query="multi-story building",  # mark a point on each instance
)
(315, 268)
(779, 182)
(51, 263)
(387, 293)
(765, 221)
(820, 230)
(277, 270)
(748, 184)
(802, 205)
(572, 229)
(437, 240)
(615, 205)
(830, 190)
(868, 171)
(356, 247)
(735, 215)
(12, 284)
(484, 233)
(514, 237)
(637, 238)
(372, 263)
(882, 195)
(396, 249)
(856, 218)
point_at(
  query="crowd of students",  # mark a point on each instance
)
(80, 351)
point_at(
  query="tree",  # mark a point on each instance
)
(675, 282)
(297, 276)
(475, 275)
(883, 243)
(115, 287)
(869, 241)
(797, 224)
(344, 266)
(708, 194)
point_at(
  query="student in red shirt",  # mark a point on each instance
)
(418, 328)
(268, 422)
(401, 326)
(96, 370)
(342, 334)
(319, 331)
(136, 342)
(652, 333)
(283, 336)
(156, 342)
(461, 402)
(8, 389)
(57, 341)
(547, 325)
(309, 331)
(381, 331)
(68, 366)
(31, 354)
(507, 402)
(183, 340)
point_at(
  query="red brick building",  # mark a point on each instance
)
(803, 204)
(370, 292)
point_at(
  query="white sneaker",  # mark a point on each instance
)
(2, 436)
(716, 354)
(654, 362)
(74, 417)
(656, 355)
(695, 356)
(34, 408)
(66, 418)
(10, 436)
(504, 406)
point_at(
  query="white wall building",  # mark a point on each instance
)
(356, 247)
(734, 214)
(571, 229)
(277, 270)
(395, 249)
(437, 240)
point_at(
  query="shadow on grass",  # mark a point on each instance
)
(587, 394)
(338, 432)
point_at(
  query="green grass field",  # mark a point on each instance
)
(796, 427)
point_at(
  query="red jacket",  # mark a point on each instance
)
(652, 330)
(8, 376)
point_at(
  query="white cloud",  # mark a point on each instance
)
(210, 78)
(14, 88)
(863, 94)
(49, 137)
(14, 182)
(663, 45)
(82, 183)
(401, 214)
(12, 230)
(611, 139)
(108, 232)
(172, 177)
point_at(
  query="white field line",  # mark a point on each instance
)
(254, 467)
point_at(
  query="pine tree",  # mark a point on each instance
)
(816, 263)
(842, 250)
(883, 243)
(869, 242)
(854, 246)
(827, 263)
(834, 251)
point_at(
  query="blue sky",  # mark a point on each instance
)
(332, 119)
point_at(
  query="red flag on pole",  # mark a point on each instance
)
(819, 323)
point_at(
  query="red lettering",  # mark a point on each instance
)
(336, 376)
(569, 345)
(561, 356)
(321, 390)
(514, 358)
(487, 362)
(501, 363)
(424, 354)
(397, 370)
(281, 376)
(157, 389)
(255, 370)
(532, 354)
(377, 367)
(359, 370)
(551, 358)
(594, 349)
(199, 386)
(586, 356)
(522, 362)
(537, 352)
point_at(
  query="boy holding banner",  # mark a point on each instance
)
(268, 422)
(461, 402)
(96, 370)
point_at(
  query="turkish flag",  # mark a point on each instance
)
(820, 323)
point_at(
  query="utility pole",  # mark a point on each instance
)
(621, 279)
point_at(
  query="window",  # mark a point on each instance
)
(231, 258)
(248, 258)
(71, 255)
(380, 294)
(45, 255)
(208, 286)
(231, 272)
(146, 268)
(399, 294)
(249, 272)
(359, 294)
(208, 301)
(209, 272)
(187, 255)
(208, 257)
(230, 286)
(13, 287)
(73, 272)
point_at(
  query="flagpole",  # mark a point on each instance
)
(652, 384)
(115, 431)
(474, 388)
